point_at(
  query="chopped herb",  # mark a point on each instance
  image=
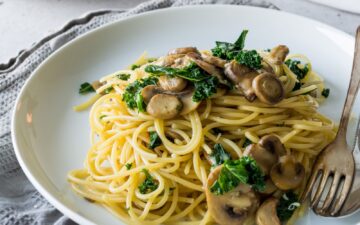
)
(287, 205)
(218, 155)
(140, 104)
(149, 183)
(149, 60)
(296, 67)
(205, 88)
(123, 76)
(191, 72)
(244, 170)
(128, 166)
(226, 50)
(129, 96)
(86, 88)
(134, 66)
(154, 139)
(246, 143)
(297, 86)
(216, 131)
(102, 116)
(325, 92)
(249, 58)
(108, 90)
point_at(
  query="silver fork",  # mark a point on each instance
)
(336, 160)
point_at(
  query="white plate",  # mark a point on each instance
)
(347, 5)
(50, 138)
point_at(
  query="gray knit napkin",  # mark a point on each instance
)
(20, 203)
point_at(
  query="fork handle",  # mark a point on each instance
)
(353, 88)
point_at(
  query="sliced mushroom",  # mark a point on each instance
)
(287, 173)
(149, 91)
(269, 187)
(209, 68)
(267, 152)
(278, 54)
(216, 61)
(183, 50)
(174, 84)
(170, 59)
(186, 98)
(266, 214)
(236, 207)
(242, 77)
(268, 88)
(164, 106)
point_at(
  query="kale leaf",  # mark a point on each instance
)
(244, 170)
(154, 139)
(249, 58)
(294, 66)
(86, 88)
(287, 205)
(128, 166)
(226, 50)
(134, 66)
(123, 76)
(218, 155)
(247, 142)
(133, 90)
(191, 72)
(205, 88)
(325, 92)
(149, 183)
(108, 90)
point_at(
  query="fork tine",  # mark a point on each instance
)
(316, 198)
(310, 184)
(330, 196)
(344, 192)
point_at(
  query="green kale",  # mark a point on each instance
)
(134, 66)
(249, 58)
(86, 88)
(123, 76)
(325, 92)
(108, 90)
(102, 116)
(226, 50)
(154, 139)
(128, 166)
(287, 205)
(140, 104)
(218, 155)
(191, 72)
(205, 88)
(297, 86)
(247, 142)
(149, 183)
(297, 69)
(244, 170)
(133, 89)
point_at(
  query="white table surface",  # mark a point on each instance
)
(23, 22)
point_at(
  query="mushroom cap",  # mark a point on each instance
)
(186, 98)
(242, 76)
(164, 106)
(287, 173)
(182, 50)
(266, 214)
(267, 152)
(269, 187)
(149, 91)
(216, 61)
(174, 84)
(236, 207)
(268, 88)
(278, 54)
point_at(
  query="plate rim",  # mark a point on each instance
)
(53, 199)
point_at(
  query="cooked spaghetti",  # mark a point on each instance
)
(149, 170)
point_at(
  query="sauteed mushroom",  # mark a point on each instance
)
(174, 84)
(266, 153)
(269, 187)
(232, 208)
(149, 91)
(216, 61)
(164, 106)
(183, 50)
(266, 214)
(242, 77)
(268, 88)
(287, 173)
(278, 54)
